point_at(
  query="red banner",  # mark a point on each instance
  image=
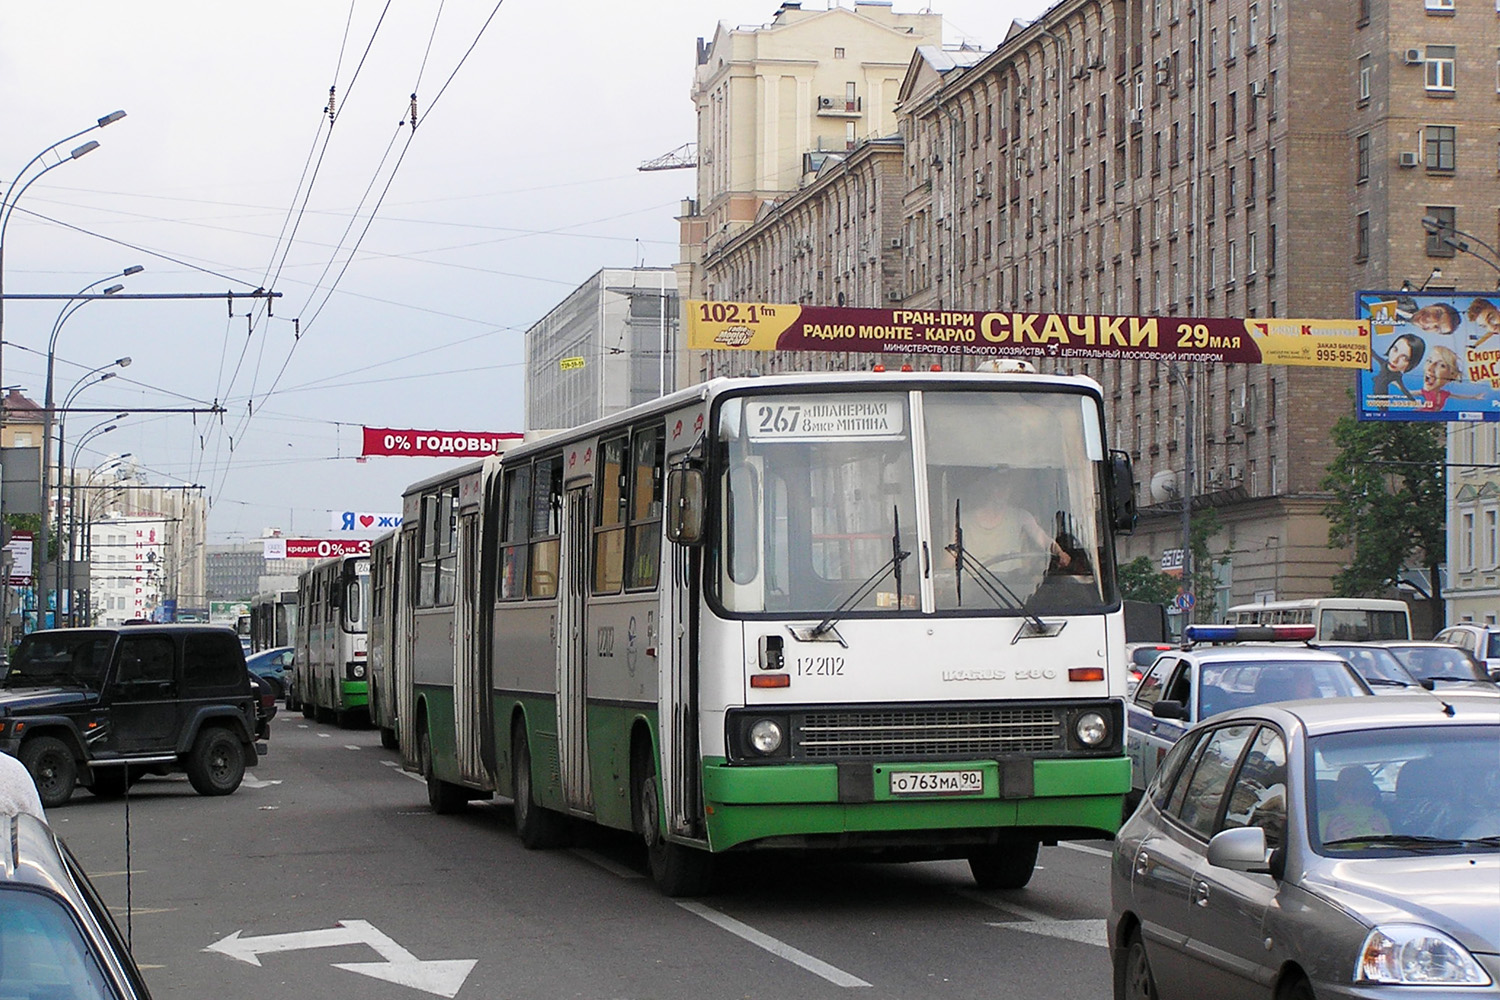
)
(322, 548)
(435, 444)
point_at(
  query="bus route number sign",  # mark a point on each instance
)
(824, 418)
(937, 782)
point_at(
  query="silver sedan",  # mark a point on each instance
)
(1334, 848)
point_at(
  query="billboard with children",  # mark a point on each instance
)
(1435, 356)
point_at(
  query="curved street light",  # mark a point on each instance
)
(1459, 240)
(47, 409)
(82, 611)
(16, 189)
(83, 383)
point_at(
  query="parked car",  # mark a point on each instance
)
(1373, 662)
(1335, 848)
(1196, 682)
(273, 665)
(101, 706)
(265, 707)
(1481, 642)
(1441, 664)
(57, 937)
(1138, 658)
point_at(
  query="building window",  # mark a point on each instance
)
(1440, 6)
(1232, 110)
(1213, 49)
(1362, 237)
(1440, 68)
(1271, 172)
(1251, 247)
(838, 52)
(1439, 141)
(1366, 76)
(1362, 158)
(1252, 37)
(1232, 40)
(1447, 221)
(1271, 258)
(1491, 538)
(1466, 541)
(1230, 262)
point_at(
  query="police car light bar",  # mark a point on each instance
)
(1248, 633)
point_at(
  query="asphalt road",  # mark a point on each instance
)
(326, 875)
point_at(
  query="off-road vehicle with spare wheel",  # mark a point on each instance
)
(103, 706)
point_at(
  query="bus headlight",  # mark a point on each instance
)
(1091, 728)
(765, 736)
(356, 671)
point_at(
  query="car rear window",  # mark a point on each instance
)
(212, 660)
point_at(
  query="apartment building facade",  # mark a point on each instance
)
(1168, 158)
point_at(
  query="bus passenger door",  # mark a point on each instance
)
(677, 698)
(403, 635)
(472, 689)
(573, 651)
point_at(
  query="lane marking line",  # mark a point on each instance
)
(350, 746)
(780, 949)
(1005, 907)
(323, 736)
(1081, 931)
(610, 866)
(404, 773)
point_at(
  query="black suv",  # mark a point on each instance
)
(103, 706)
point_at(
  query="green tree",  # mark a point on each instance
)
(1140, 580)
(1388, 503)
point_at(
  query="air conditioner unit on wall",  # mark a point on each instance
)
(1258, 89)
(1236, 418)
(1413, 57)
(1409, 159)
(825, 102)
(1233, 473)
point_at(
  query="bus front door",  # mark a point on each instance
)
(573, 653)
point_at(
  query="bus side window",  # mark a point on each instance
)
(644, 543)
(546, 526)
(610, 498)
(515, 524)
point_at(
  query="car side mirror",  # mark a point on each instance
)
(1240, 850)
(1169, 710)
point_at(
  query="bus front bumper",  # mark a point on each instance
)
(836, 805)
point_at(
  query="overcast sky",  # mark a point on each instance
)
(519, 182)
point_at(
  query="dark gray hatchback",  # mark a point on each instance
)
(104, 706)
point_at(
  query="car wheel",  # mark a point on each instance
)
(677, 869)
(52, 767)
(1133, 979)
(216, 764)
(537, 827)
(109, 782)
(443, 797)
(1006, 865)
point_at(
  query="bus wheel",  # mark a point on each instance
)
(444, 797)
(538, 828)
(677, 869)
(388, 739)
(1004, 865)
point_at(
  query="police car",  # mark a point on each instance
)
(1223, 667)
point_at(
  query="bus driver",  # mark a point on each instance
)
(998, 527)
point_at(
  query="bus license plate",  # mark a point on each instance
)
(937, 782)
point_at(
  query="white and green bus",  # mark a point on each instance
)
(784, 613)
(329, 669)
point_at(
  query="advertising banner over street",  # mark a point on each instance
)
(346, 522)
(435, 444)
(314, 548)
(1436, 356)
(754, 326)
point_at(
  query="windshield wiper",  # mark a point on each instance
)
(1397, 840)
(898, 556)
(1387, 682)
(996, 588)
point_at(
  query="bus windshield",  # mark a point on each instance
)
(895, 503)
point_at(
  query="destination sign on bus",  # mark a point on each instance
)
(758, 326)
(821, 418)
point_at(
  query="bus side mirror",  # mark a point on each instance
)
(685, 505)
(335, 597)
(1121, 491)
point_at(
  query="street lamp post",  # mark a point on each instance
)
(47, 408)
(16, 189)
(1459, 240)
(112, 465)
(82, 384)
(102, 427)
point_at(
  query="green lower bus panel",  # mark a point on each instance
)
(750, 803)
(354, 694)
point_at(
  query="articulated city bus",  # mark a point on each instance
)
(873, 612)
(384, 638)
(273, 619)
(330, 674)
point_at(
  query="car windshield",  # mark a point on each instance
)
(72, 658)
(1232, 684)
(44, 953)
(1417, 789)
(1439, 662)
(1377, 666)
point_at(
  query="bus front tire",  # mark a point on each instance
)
(443, 797)
(539, 828)
(1004, 865)
(677, 869)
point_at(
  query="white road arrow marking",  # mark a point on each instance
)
(442, 977)
(251, 781)
(1081, 931)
